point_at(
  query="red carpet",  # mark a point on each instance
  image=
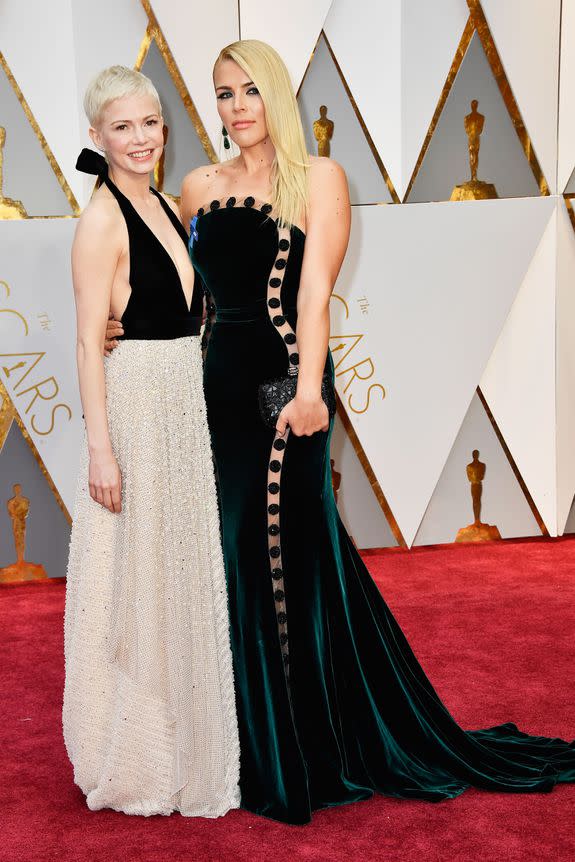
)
(492, 626)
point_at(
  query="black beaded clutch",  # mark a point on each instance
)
(275, 394)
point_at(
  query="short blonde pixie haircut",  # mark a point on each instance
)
(113, 83)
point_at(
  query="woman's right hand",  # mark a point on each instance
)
(105, 481)
(114, 330)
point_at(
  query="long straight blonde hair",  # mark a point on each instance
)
(268, 72)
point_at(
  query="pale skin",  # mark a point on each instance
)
(326, 225)
(129, 131)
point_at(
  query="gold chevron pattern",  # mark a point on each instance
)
(477, 25)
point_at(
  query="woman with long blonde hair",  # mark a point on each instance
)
(332, 704)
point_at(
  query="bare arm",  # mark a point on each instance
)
(327, 236)
(196, 191)
(95, 254)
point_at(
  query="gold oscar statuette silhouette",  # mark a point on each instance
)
(335, 479)
(477, 531)
(9, 209)
(160, 169)
(474, 189)
(323, 132)
(18, 508)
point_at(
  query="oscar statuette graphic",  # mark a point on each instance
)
(18, 508)
(474, 189)
(9, 209)
(323, 132)
(477, 531)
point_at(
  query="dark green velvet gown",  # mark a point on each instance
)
(332, 704)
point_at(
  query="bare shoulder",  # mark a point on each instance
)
(102, 213)
(327, 184)
(324, 171)
(204, 184)
(195, 190)
(101, 223)
(325, 175)
(198, 181)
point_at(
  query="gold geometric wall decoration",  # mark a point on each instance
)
(154, 32)
(43, 143)
(571, 212)
(9, 209)
(513, 465)
(372, 478)
(8, 415)
(477, 23)
(353, 103)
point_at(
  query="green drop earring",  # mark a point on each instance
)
(227, 144)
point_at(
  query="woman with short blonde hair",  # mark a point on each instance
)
(149, 713)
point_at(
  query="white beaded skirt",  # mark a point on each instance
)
(149, 708)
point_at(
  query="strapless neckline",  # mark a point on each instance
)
(248, 202)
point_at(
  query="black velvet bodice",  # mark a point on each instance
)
(246, 239)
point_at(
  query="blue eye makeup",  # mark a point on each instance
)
(227, 94)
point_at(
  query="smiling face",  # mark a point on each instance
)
(240, 105)
(130, 131)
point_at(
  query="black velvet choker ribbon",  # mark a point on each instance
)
(91, 162)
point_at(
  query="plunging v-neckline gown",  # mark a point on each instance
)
(332, 704)
(149, 711)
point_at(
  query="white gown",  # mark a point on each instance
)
(149, 710)
(149, 706)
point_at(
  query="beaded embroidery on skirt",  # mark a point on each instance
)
(149, 707)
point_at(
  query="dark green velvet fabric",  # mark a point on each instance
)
(360, 715)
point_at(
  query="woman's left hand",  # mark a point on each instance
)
(304, 417)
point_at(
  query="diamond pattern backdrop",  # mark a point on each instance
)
(452, 321)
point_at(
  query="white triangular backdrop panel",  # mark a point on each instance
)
(526, 34)
(46, 76)
(519, 380)
(445, 296)
(565, 383)
(375, 86)
(292, 29)
(406, 39)
(566, 149)
(41, 322)
(440, 281)
(430, 35)
(503, 503)
(196, 32)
